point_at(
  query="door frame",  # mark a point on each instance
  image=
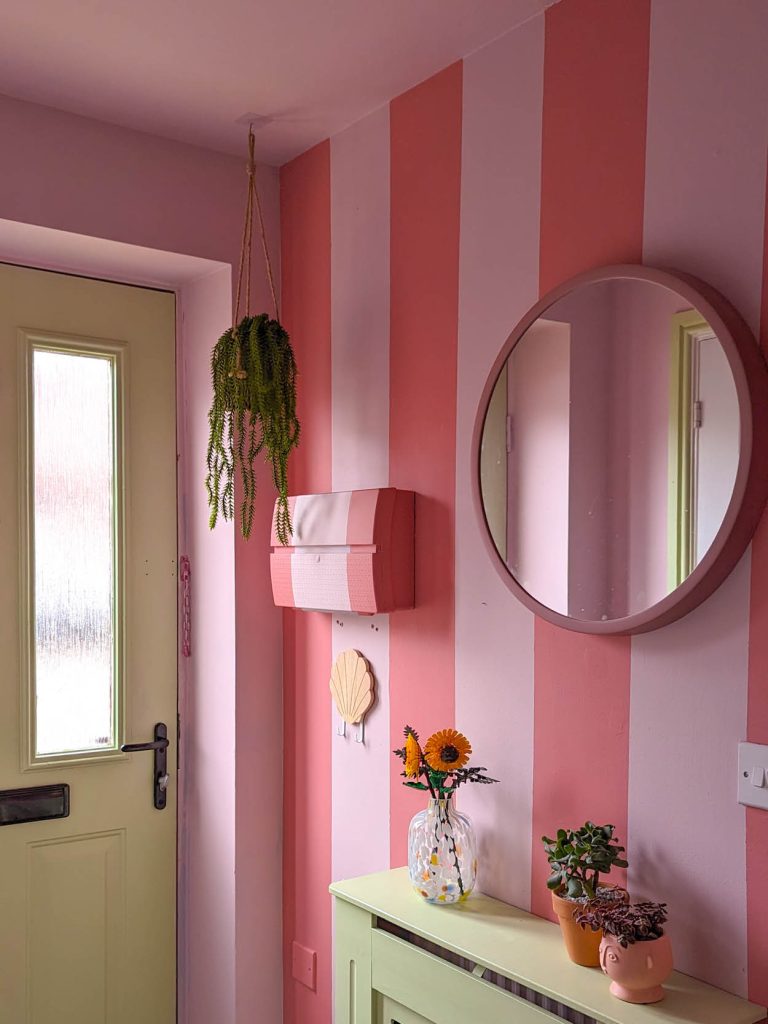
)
(193, 270)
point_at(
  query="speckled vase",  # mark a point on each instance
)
(442, 853)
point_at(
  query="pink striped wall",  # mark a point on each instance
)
(425, 167)
(93, 198)
(360, 424)
(305, 202)
(704, 203)
(601, 131)
(757, 723)
(593, 150)
(500, 193)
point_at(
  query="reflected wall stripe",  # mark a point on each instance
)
(500, 186)
(593, 151)
(360, 350)
(705, 196)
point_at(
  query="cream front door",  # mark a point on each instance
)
(88, 648)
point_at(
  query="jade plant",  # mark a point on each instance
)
(577, 858)
(627, 923)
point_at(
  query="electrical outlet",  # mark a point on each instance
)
(753, 775)
(304, 965)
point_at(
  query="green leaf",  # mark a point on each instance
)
(573, 888)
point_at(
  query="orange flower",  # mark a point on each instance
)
(412, 756)
(447, 750)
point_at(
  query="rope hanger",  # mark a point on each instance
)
(246, 246)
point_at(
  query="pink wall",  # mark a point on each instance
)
(589, 498)
(640, 443)
(425, 184)
(539, 404)
(704, 208)
(306, 261)
(127, 190)
(593, 150)
(589, 135)
(360, 348)
(619, 452)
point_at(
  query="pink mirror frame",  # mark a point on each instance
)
(750, 490)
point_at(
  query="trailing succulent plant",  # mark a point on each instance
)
(626, 922)
(578, 858)
(253, 410)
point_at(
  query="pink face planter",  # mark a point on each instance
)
(637, 970)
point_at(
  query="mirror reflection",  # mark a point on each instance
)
(610, 449)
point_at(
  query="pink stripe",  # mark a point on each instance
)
(360, 309)
(305, 210)
(425, 197)
(209, 862)
(500, 183)
(361, 567)
(282, 579)
(595, 79)
(361, 520)
(687, 716)
(361, 771)
(705, 195)
(757, 727)
(360, 304)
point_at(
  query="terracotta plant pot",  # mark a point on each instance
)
(638, 971)
(581, 944)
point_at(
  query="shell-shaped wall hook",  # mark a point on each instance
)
(352, 686)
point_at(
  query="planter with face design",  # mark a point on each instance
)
(638, 970)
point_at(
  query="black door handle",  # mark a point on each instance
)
(160, 747)
(132, 748)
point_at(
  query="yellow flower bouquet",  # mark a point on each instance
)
(442, 849)
(441, 763)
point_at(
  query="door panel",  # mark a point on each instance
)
(88, 625)
(76, 915)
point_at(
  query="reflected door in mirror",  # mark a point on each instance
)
(610, 449)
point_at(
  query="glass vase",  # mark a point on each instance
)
(442, 853)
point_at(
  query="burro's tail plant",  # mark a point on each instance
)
(577, 859)
(254, 395)
(253, 410)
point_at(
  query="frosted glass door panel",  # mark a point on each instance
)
(74, 551)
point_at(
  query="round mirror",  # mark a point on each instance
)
(615, 449)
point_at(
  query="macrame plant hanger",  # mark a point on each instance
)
(253, 407)
(246, 252)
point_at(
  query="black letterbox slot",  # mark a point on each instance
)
(38, 803)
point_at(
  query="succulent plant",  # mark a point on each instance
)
(579, 857)
(626, 922)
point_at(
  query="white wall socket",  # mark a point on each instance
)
(753, 775)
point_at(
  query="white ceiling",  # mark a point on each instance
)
(188, 69)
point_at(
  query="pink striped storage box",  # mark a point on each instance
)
(350, 551)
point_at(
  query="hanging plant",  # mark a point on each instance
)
(254, 396)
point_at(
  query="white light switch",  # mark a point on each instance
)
(753, 775)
